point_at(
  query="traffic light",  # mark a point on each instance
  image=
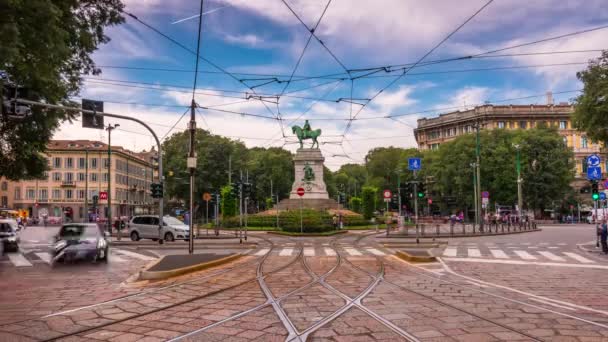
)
(247, 190)
(236, 189)
(421, 190)
(595, 193)
(157, 190)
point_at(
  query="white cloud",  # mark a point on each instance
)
(464, 99)
(247, 39)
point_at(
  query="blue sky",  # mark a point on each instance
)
(263, 40)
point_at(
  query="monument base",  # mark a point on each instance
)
(314, 186)
(307, 203)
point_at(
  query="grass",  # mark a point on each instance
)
(254, 228)
(329, 233)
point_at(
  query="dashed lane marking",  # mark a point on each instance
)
(329, 251)
(474, 253)
(498, 253)
(309, 251)
(579, 258)
(262, 252)
(450, 252)
(134, 255)
(352, 251)
(18, 260)
(286, 252)
(375, 251)
(551, 256)
(525, 255)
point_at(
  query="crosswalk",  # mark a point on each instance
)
(310, 251)
(23, 259)
(494, 252)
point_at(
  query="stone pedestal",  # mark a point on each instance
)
(314, 188)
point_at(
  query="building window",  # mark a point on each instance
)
(93, 177)
(81, 163)
(585, 166)
(45, 175)
(56, 176)
(43, 194)
(17, 193)
(69, 163)
(4, 202)
(56, 193)
(563, 124)
(106, 163)
(82, 176)
(30, 194)
(584, 142)
(57, 163)
(501, 124)
(93, 163)
(523, 124)
(81, 193)
(69, 177)
(4, 186)
(434, 146)
(105, 177)
(69, 194)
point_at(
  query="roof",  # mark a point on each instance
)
(93, 145)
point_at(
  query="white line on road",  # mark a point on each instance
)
(525, 255)
(46, 257)
(531, 263)
(552, 304)
(375, 251)
(551, 256)
(262, 252)
(18, 259)
(498, 253)
(579, 258)
(329, 251)
(450, 252)
(352, 251)
(115, 258)
(286, 251)
(309, 251)
(474, 253)
(134, 255)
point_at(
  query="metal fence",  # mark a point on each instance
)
(459, 229)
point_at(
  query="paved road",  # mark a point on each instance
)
(535, 287)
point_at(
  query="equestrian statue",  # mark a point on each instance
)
(305, 133)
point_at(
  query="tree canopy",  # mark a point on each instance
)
(46, 47)
(591, 112)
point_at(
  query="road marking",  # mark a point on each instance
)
(552, 304)
(286, 251)
(498, 253)
(352, 251)
(308, 251)
(525, 255)
(329, 251)
(134, 255)
(18, 259)
(474, 253)
(579, 258)
(552, 247)
(262, 252)
(46, 257)
(476, 284)
(375, 251)
(115, 258)
(533, 263)
(551, 256)
(450, 252)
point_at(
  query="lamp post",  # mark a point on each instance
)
(478, 178)
(474, 166)
(519, 181)
(109, 129)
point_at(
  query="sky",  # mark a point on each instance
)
(257, 58)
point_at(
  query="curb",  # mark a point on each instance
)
(415, 258)
(308, 234)
(159, 275)
(416, 245)
(413, 236)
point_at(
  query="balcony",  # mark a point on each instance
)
(68, 184)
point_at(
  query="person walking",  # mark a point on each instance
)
(604, 236)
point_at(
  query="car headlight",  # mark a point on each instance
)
(101, 243)
(60, 245)
(12, 239)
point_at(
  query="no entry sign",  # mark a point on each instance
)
(300, 192)
(387, 194)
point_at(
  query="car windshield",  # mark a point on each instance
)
(78, 231)
(169, 220)
(6, 227)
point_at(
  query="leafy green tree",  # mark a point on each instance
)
(368, 199)
(591, 111)
(356, 204)
(228, 202)
(46, 47)
(266, 165)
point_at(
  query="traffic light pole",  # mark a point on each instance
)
(415, 200)
(160, 155)
(398, 193)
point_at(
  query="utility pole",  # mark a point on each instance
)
(415, 198)
(109, 129)
(86, 185)
(478, 177)
(192, 168)
(399, 192)
(230, 169)
(474, 166)
(241, 207)
(520, 201)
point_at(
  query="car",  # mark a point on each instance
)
(146, 227)
(80, 241)
(8, 235)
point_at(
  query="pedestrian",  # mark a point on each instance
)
(335, 221)
(604, 236)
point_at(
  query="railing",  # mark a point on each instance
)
(459, 229)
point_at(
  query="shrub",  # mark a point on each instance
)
(368, 194)
(355, 220)
(355, 204)
(312, 221)
(229, 203)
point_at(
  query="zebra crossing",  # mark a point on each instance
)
(511, 253)
(30, 259)
(312, 251)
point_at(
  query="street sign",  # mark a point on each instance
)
(414, 164)
(593, 160)
(387, 200)
(485, 194)
(92, 120)
(300, 192)
(606, 184)
(387, 194)
(602, 196)
(594, 173)
(103, 195)
(207, 196)
(485, 200)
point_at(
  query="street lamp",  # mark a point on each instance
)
(109, 129)
(519, 181)
(475, 194)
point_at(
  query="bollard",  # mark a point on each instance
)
(464, 229)
(423, 226)
(437, 230)
(452, 228)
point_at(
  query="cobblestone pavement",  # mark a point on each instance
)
(342, 288)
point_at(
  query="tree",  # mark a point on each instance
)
(368, 199)
(265, 165)
(229, 202)
(591, 107)
(355, 204)
(46, 47)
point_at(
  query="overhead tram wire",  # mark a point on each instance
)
(194, 53)
(348, 125)
(176, 123)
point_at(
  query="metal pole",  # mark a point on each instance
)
(110, 128)
(192, 167)
(398, 193)
(597, 242)
(301, 222)
(415, 200)
(277, 210)
(520, 201)
(241, 208)
(86, 185)
(475, 196)
(478, 177)
(230, 169)
(207, 217)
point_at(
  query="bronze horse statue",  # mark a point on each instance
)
(303, 135)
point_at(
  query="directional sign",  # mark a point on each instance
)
(414, 164)
(602, 196)
(485, 194)
(594, 173)
(300, 192)
(593, 160)
(387, 194)
(103, 195)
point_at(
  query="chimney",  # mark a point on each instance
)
(549, 98)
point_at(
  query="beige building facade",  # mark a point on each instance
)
(78, 170)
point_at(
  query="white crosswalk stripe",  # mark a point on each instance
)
(18, 260)
(474, 253)
(286, 251)
(525, 255)
(262, 252)
(134, 255)
(499, 254)
(375, 251)
(579, 258)
(551, 256)
(115, 258)
(450, 252)
(46, 257)
(309, 251)
(329, 251)
(352, 251)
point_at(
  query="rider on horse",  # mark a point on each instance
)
(306, 129)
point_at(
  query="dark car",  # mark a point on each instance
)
(8, 235)
(80, 241)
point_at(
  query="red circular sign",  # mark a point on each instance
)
(387, 194)
(300, 192)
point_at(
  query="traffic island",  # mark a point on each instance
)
(174, 265)
(415, 255)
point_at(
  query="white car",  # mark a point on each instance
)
(146, 227)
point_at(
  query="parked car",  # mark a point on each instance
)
(80, 241)
(146, 227)
(8, 235)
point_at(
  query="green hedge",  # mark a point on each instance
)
(355, 220)
(289, 221)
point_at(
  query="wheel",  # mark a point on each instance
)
(154, 240)
(134, 236)
(169, 237)
(103, 255)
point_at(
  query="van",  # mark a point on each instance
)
(146, 227)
